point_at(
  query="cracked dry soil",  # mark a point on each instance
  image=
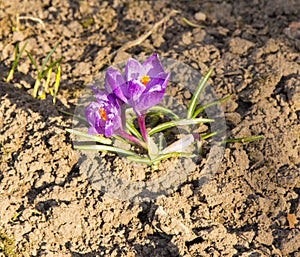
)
(251, 206)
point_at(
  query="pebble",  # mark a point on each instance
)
(200, 16)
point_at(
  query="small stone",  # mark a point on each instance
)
(200, 16)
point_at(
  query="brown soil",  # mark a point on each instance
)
(250, 207)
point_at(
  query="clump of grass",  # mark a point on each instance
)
(44, 74)
(17, 55)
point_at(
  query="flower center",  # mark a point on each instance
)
(145, 80)
(103, 114)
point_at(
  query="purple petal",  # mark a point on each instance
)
(113, 81)
(148, 100)
(152, 66)
(109, 129)
(133, 70)
(132, 90)
(161, 79)
(153, 94)
(93, 131)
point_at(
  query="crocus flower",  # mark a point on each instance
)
(104, 114)
(104, 117)
(143, 85)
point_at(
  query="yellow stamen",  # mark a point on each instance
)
(145, 80)
(103, 114)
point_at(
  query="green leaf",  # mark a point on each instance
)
(191, 23)
(48, 80)
(48, 57)
(133, 130)
(33, 61)
(163, 110)
(170, 155)
(202, 108)
(196, 96)
(158, 159)
(57, 82)
(183, 122)
(36, 87)
(44, 72)
(139, 159)
(243, 139)
(96, 138)
(206, 136)
(19, 53)
(105, 148)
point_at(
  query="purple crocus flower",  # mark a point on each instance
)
(104, 117)
(104, 114)
(142, 87)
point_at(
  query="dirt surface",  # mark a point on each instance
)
(250, 207)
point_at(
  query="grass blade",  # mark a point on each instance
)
(191, 23)
(48, 57)
(183, 122)
(202, 108)
(48, 80)
(196, 96)
(57, 82)
(33, 61)
(36, 87)
(131, 128)
(163, 110)
(96, 138)
(243, 139)
(52, 64)
(17, 57)
(171, 154)
(105, 148)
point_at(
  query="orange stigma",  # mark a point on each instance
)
(103, 114)
(145, 80)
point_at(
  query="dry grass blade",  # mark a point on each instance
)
(135, 42)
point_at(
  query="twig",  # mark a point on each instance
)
(29, 18)
(135, 42)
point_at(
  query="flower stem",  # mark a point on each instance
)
(132, 139)
(123, 116)
(142, 125)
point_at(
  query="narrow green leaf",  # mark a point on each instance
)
(17, 56)
(202, 108)
(57, 82)
(48, 80)
(105, 148)
(36, 88)
(139, 159)
(48, 57)
(33, 62)
(196, 96)
(96, 138)
(44, 72)
(191, 23)
(170, 155)
(243, 139)
(183, 122)
(163, 110)
(133, 130)
(19, 53)
(206, 136)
